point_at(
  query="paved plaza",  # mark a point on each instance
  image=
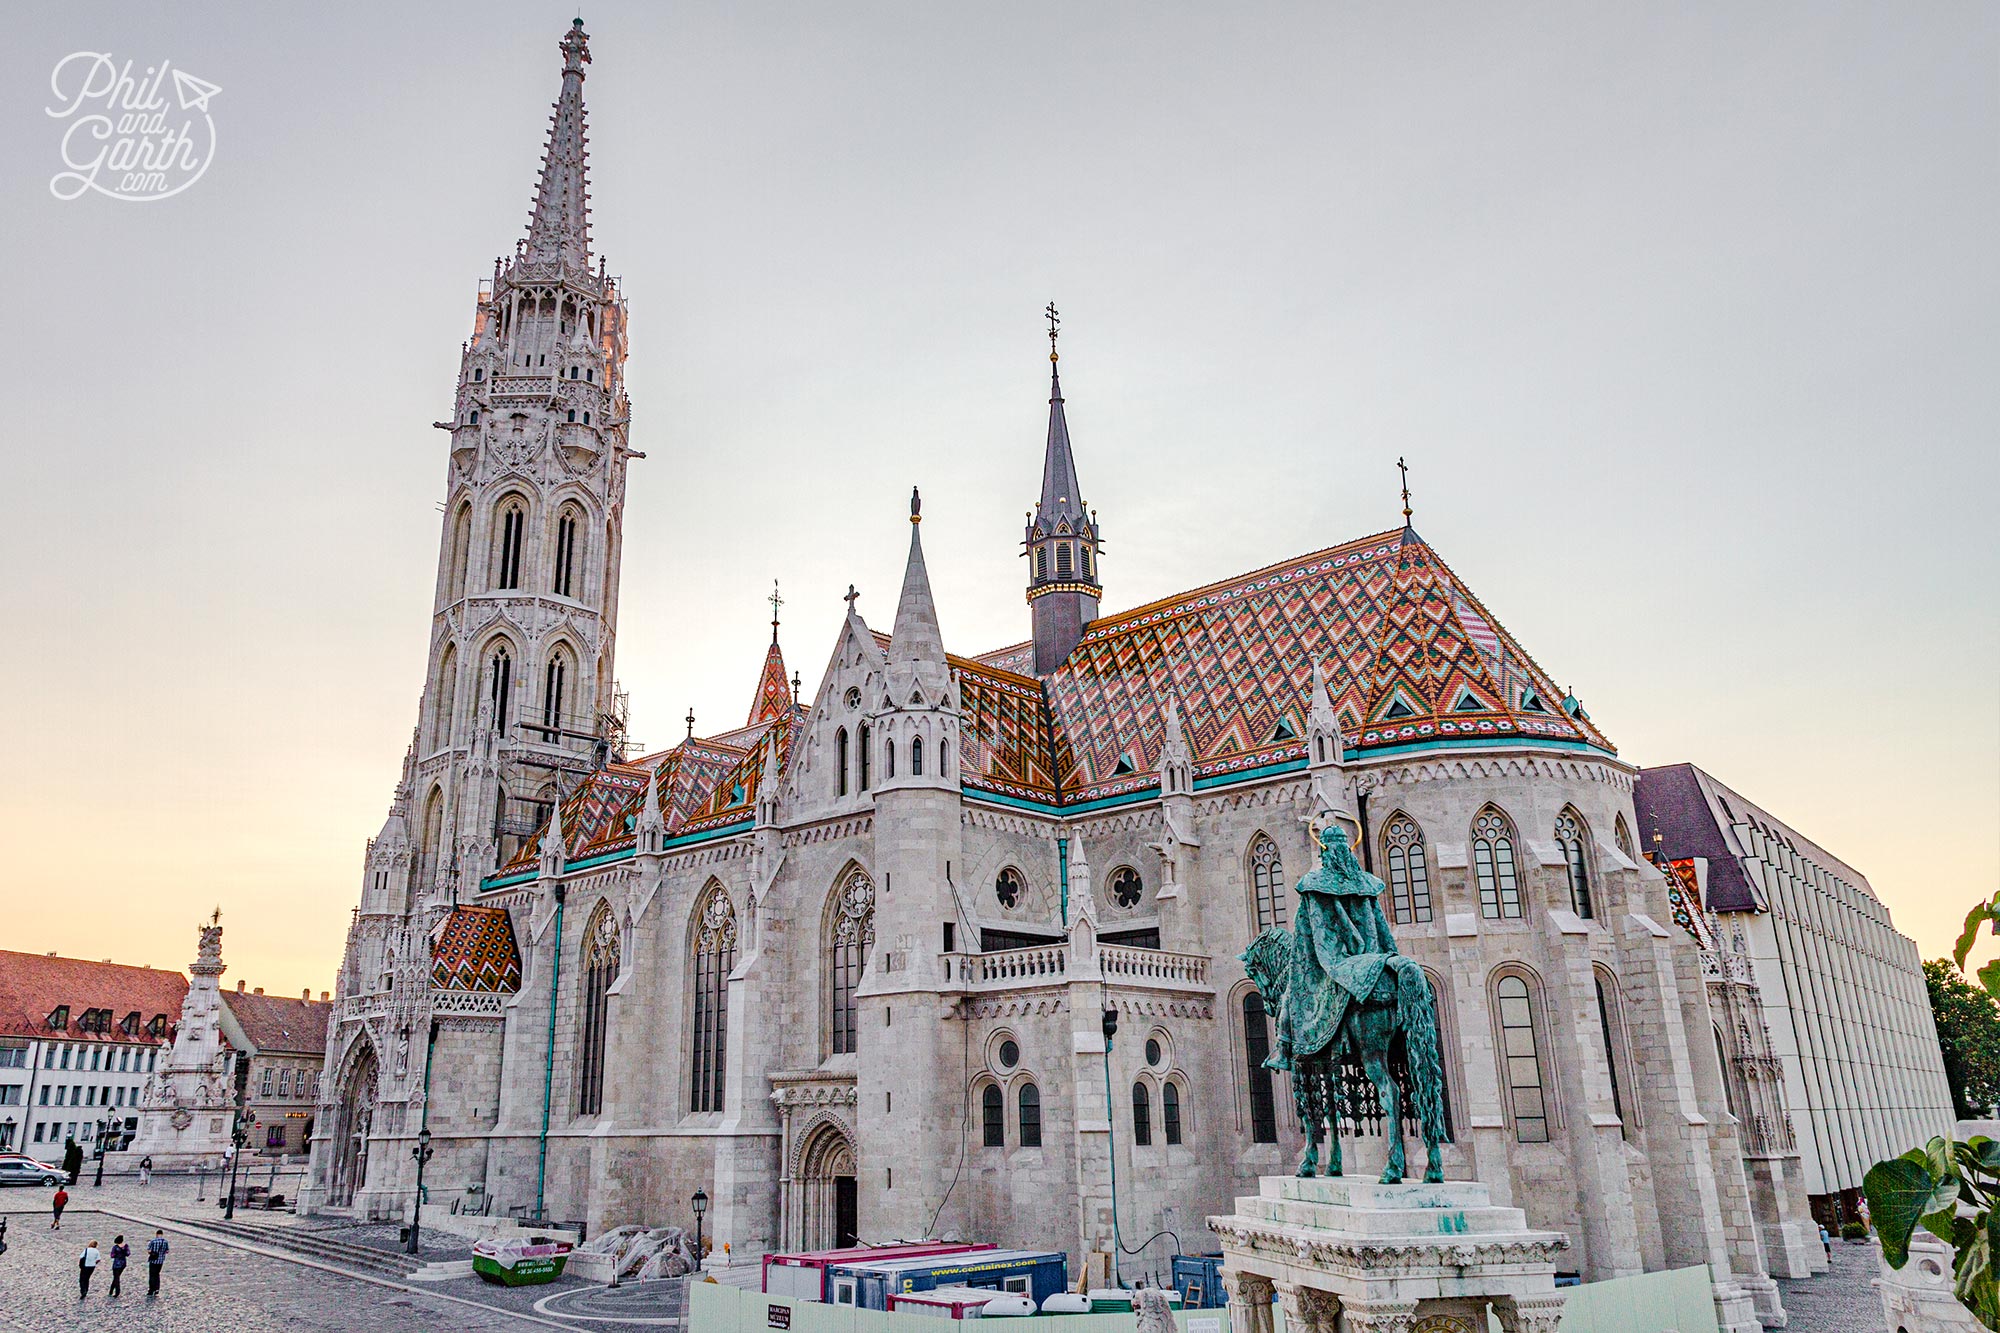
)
(212, 1283)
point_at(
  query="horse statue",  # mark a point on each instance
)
(1340, 990)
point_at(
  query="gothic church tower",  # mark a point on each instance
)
(1062, 541)
(518, 703)
(519, 695)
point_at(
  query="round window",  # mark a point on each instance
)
(1152, 1050)
(853, 696)
(1007, 887)
(1010, 1054)
(1126, 887)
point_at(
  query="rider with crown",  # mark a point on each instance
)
(1342, 937)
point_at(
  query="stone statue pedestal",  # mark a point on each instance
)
(1345, 1255)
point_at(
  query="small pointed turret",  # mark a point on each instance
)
(1062, 539)
(554, 851)
(774, 692)
(1176, 763)
(916, 648)
(559, 225)
(652, 826)
(1324, 743)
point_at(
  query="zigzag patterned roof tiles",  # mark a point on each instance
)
(474, 950)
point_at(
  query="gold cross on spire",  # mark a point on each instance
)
(1404, 468)
(216, 920)
(1055, 325)
(776, 602)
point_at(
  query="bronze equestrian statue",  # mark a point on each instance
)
(1340, 990)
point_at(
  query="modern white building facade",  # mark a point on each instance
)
(1842, 991)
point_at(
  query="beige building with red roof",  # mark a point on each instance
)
(282, 1042)
(78, 1042)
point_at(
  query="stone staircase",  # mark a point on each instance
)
(316, 1244)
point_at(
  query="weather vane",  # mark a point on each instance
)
(1404, 468)
(776, 602)
(690, 722)
(1055, 325)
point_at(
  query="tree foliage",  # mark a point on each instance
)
(1947, 1188)
(1968, 1025)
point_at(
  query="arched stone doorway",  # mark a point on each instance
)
(825, 1212)
(353, 1119)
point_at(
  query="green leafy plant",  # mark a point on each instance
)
(1854, 1230)
(1946, 1187)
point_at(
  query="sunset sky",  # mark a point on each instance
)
(1683, 315)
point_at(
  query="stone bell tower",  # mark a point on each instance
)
(1062, 539)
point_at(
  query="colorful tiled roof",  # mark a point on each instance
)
(280, 1023)
(474, 950)
(1411, 657)
(774, 692)
(33, 986)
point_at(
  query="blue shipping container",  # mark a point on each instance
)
(1036, 1274)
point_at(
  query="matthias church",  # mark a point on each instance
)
(848, 967)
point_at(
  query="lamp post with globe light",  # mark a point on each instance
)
(700, 1205)
(422, 1152)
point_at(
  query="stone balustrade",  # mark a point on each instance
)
(1043, 965)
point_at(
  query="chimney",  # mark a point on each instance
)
(305, 996)
(258, 991)
(239, 986)
(322, 997)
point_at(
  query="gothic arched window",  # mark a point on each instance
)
(554, 684)
(993, 1116)
(1170, 1113)
(1256, 1049)
(500, 683)
(1062, 560)
(1041, 563)
(840, 761)
(916, 756)
(1614, 1048)
(1267, 878)
(850, 933)
(889, 758)
(565, 571)
(1409, 871)
(513, 528)
(1493, 863)
(461, 553)
(1623, 837)
(1574, 841)
(1522, 1059)
(446, 705)
(714, 957)
(866, 755)
(1142, 1116)
(1030, 1101)
(600, 969)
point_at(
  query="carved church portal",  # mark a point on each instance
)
(353, 1119)
(825, 1196)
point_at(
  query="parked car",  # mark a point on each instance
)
(28, 1171)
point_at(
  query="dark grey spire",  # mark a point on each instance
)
(1062, 539)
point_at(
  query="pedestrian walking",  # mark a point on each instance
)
(1826, 1239)
(156, 1257)
(58, 1203)
(146, 1170)
(86, 1268)
(73, 1160)
(121, 1254)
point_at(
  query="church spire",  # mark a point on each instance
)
(1062, 537)
(774, 691)
(916, 647)
(559, 225)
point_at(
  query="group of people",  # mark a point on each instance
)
(121, 1255)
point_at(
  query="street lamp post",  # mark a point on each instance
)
(422, 1152)
(238, 1138)
(103, 1147)
(700, 1205)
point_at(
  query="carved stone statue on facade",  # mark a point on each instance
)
(1342, 992)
